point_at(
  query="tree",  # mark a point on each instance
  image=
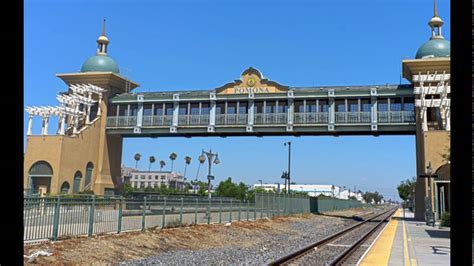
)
(405, 188)
(137, 158)
(152, 160)
(173, 157)
(187, 161)
(162, 164)
(352, 198)
(127, 189)
(447, 156)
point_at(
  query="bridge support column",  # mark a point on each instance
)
(291, 111)
(212, 113)
(373, 109)
(251, 113)
(138, 126)
(332, 110)
(174, 125)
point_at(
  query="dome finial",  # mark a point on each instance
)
(435, 10)
(102, 41)
(436, 23)
(103, 27)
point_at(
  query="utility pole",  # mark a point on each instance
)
(289, 164)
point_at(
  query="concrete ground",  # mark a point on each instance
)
(409, 242)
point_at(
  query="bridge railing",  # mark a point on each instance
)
(311, 118)
(266, 119)
(231, 119)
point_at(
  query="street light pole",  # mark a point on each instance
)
(210, 157)
(289, 164)
(261, 184)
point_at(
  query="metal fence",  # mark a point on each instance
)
(326, 205)
(61, 217)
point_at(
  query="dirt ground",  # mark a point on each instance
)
(113, 248)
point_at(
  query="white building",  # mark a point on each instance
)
(153, 179)
(312, 190)
(345, 194)
(127, 173)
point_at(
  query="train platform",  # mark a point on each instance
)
(405, 241)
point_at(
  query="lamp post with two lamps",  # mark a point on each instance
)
(289, 163)
(211, 158)
(428, 204)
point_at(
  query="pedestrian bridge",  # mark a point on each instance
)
(257, 106)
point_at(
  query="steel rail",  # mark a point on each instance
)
(309, 248)
(339, 260)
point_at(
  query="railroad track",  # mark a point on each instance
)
(339, 248)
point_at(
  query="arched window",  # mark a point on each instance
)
(77, 182)
(89, 169)
(65, 187)
(40, 175)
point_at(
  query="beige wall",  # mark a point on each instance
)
(68, 154)
(430, 147)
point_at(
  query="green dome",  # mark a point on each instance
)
(434, 48)
(100, 63)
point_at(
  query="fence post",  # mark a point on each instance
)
(273, 204)
(119, 226)
(196, 211)
(261, 206)
(255, 210)
(248, 209)
(91, 216)
(240, 207)
(181, 213)
(163, 219)
(143, 213)
(220, 212)
(230, 213)
(57, 209)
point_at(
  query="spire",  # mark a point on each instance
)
(102, 42)
(436, 23)
(103, 24)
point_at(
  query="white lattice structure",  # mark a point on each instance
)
(432, 91)
(69, 109)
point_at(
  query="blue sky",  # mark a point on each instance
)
(175, 45)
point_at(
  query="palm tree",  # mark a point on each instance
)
(137, 158)
(187, 161)
(152, 160)
(173, 157)
(162, 164)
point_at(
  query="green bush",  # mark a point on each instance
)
(446, 219)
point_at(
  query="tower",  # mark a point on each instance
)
(429, 73)
(81, 156)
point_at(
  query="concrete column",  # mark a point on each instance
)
(46, 124)
(175, 113)
(373, 113)
(212, 114)
(424, 123)
(140, 111)
(251, 112)
(62, 124)
(98, 105)
(88, 118)
(448, 120)
(30, 125)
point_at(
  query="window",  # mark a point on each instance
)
(395, 104)
(365, 105)
(77, 182)
(156, 177)
(353, 105)
(324, 106)
(205, 108)
(220, 108)
(112, 110)
(65, 187)
(147, 110)
(133, 109)
(195, 108)
(89, 169)
(282, 107)
(142, 176)
(382, 105)
(270, 107)
(158, 111)
(299, 106)
(340, 106)
(258, 107)
(123, 109)
(243, 107)
(231, 107)
(149, 177)
(169, 109)
(408, 104)
(183, 108)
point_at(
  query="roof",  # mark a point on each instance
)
(444, 172)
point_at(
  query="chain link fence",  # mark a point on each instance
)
(62, 216)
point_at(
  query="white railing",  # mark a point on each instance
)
(311, 118)
(185, 120)
(352, 117)
(271, 119)
(231, 119)
(396, 117)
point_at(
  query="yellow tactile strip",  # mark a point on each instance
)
(379, 254)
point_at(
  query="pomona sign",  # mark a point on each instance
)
(252, 82)
(242, 90)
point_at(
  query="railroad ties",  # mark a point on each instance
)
(343, 247)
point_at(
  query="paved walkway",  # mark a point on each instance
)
(408, 242)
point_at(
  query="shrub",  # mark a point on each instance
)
(446, 219)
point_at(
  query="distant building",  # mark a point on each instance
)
(126, 173)
(153, 179)
(312, 190)
(346, 194)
